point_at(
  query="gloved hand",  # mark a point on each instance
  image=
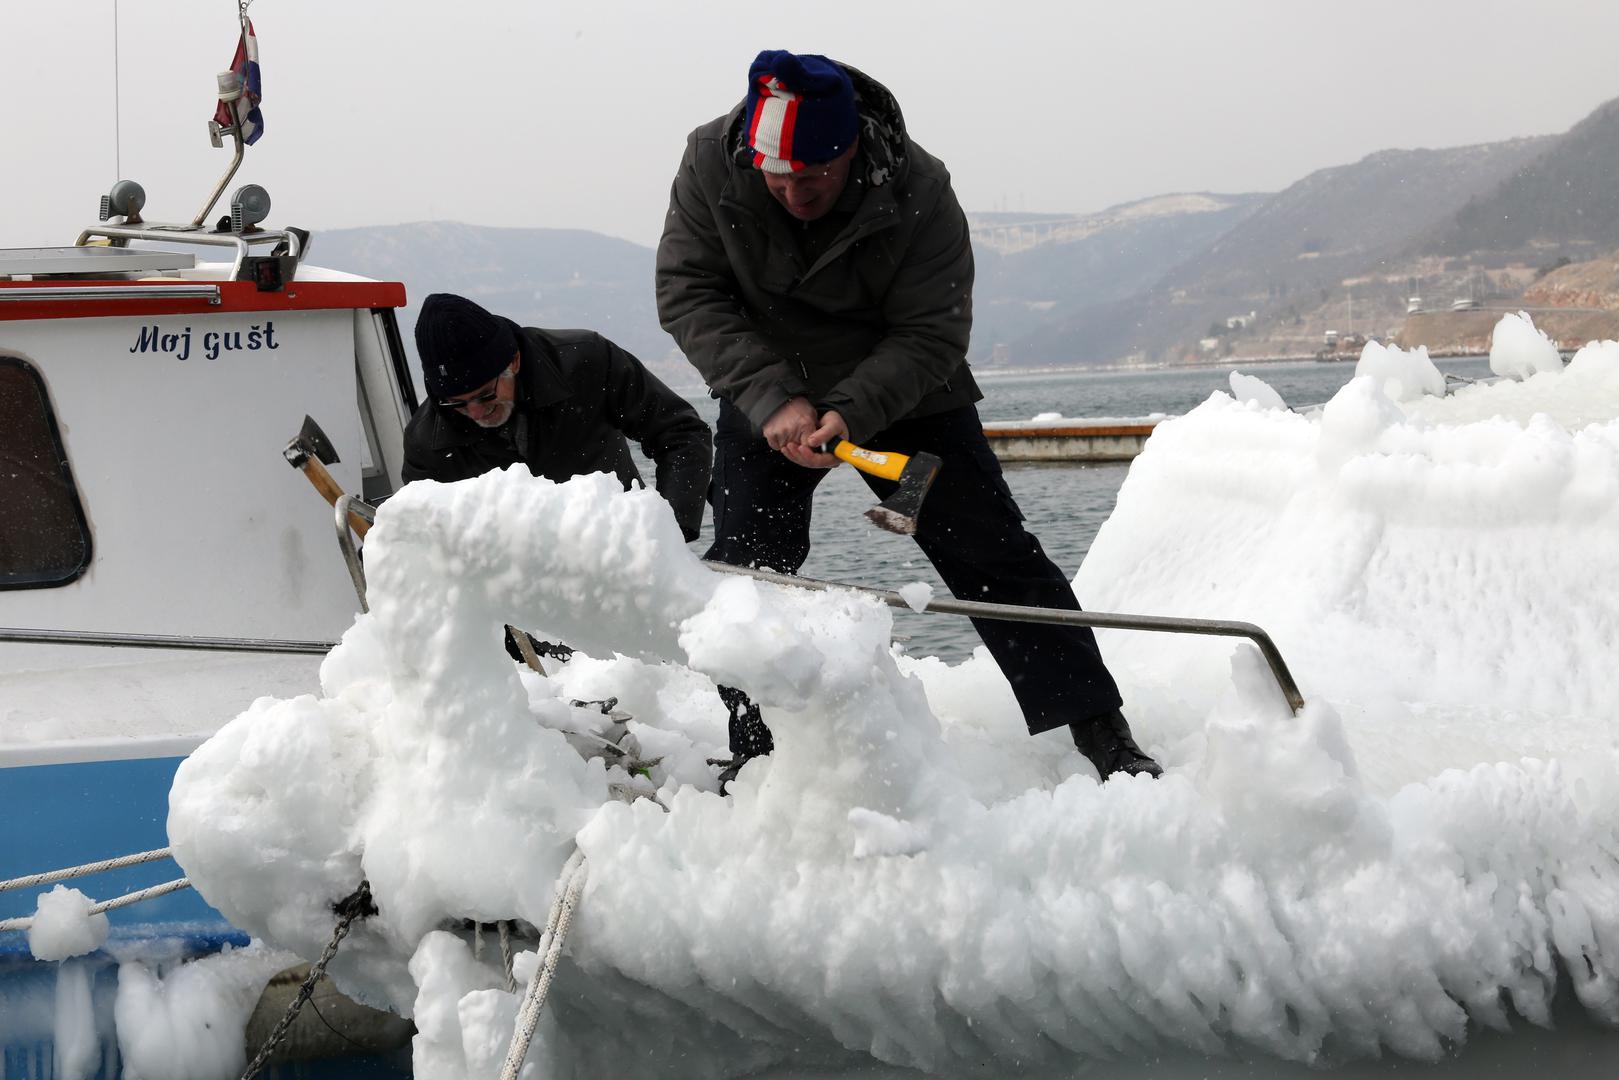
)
(543, 648)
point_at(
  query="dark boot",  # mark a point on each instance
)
(1106, 740)
(748, 736)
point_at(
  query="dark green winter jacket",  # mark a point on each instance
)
(578, 397)
(874, 326)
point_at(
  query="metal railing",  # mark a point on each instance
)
(348, 504)
(162, 641)
(1016, 613)
(346, 508)
(209, 293)
(179, 234)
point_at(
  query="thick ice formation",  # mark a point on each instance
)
(1400, 375)
(916, 595)
(1249, 388)
(909, 878)
(63, 925)
(1446, 573)
(185, 1022)
(1518, 349)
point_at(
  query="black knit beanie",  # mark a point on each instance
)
(462, 346)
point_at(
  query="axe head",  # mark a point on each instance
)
(310, 442)
(898, 512)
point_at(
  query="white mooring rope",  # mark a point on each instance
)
(570, 883)
(152, 893)
(88, 868)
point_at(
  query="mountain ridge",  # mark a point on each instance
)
(1174, 277)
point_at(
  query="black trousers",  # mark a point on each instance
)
(970, 529)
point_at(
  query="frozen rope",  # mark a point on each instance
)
(356, 905)
(152, 893)
(570, 883)
(504, 927)
(82, 871)
(506, 954)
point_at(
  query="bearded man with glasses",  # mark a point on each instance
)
(562, 402)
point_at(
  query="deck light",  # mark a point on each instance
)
(249, 205)
(125, 199)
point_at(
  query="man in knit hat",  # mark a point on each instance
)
(815, 267)
(562, 402)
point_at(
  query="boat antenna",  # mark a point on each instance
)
(117, 116)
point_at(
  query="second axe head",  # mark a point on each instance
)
(913, 472)
(310, 441)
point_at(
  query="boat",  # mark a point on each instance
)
(158, 568)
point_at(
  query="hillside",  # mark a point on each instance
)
(1030, 265)
(538, 277)
(1573, 304)
(1426, 231)
(1289, 256)
(1590, 284)
(569, 277)
(1176, 278)
(1565, 200)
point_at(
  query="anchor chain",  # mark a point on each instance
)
(356, 905)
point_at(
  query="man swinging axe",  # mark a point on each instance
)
(815, 268)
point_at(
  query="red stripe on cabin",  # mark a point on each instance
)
(234, 296)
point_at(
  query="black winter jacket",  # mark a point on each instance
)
(876, 326)
(582, 396)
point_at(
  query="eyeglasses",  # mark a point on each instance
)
(480, 399)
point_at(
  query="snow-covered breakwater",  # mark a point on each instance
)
(910, 878)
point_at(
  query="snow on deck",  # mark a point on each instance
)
(910, 879)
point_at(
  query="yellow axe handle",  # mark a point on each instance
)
(876, 462)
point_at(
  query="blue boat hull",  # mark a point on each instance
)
(70, 814)
(82, 812)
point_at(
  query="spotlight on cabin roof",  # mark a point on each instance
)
(249, 205)
(126, 200)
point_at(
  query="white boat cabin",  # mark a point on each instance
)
(147, 392)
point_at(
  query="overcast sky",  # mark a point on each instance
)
(573, 113)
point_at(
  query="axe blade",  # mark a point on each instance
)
(899, 512)
(310, 441)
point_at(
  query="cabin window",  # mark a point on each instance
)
(44, 539)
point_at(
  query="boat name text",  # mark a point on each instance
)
(156, 340)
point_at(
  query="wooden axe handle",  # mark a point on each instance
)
(329, 490)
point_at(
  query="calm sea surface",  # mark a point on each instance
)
(1064, 504)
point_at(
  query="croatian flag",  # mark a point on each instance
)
(244, 111)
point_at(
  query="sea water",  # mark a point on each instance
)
(1063, 504)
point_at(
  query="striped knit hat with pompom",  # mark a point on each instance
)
(801, 111)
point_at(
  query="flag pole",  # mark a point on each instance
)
(230, 89)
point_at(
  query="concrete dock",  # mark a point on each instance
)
(1068, 439)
